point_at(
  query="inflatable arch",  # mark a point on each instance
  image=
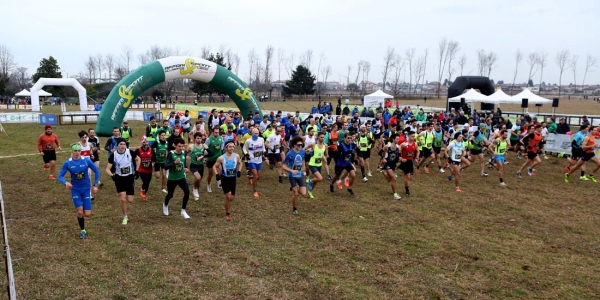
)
(35, 91)
(462, 83)
(173, 67)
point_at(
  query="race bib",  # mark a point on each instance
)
(218, 147)
(298, 168)
(258, 153)
(162, 154)
(125, 170)
(409, 154)
(501, 151)
(146, 164)
(79, 175)
(347, 159)
(428, 145)
(49, 146)
(393, 157)
(458, 156)
(276, 147)
(363, 145)
(178, 168)
(230, 172)
(318, 160)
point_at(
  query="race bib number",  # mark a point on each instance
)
(49, 146)
(230, 172)
(409, 154)
(318, 160)
(79, 175)
(501, 151)
(146, 164)
(218, 147)
(275, 147)
(363, 145)
(428, 145)
(125, 170)
(298, 168)
(178, 168)
(393, 157)
(258, 153)
(347, 159)
(458, 156)
(162, 154)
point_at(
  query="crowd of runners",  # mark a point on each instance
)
(325, 150)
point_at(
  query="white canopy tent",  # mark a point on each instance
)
(23, 93)
(473, 96)
(528, 94)
(500, 96)
(376, 98)
(43, 93)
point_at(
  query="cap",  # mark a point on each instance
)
(229, 126)
(363, 126)
(120, 140)
(76, 147)
(48, 126)
(125, 122)
(584, 116)
(481, 125)
(272, 113)
(143, 139)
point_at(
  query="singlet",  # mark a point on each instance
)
(420, 142)
(178, 171)
(125, 133)
(578, 139)
(197, 152)
(123, 163)
(439, 139)
(317, 159)
(214, 146)
(94, 143)
(79, 173)
(185, 122)
(501, 147)
(333, 140)
(478, 140)
(310, 140)
(456, 150)
(255, 150)
(363, 142)
(428, 138)
(392, 155)
(153, 130)
(229, 166)
(274, 143)
(161, 151)
(408, 152)
(145, 160)
(534, 142)
(345, 154)
(591, 142)
(86, 150)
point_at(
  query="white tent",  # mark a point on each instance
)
(532, 98)
(501, 97)
(473, 96)
(376, 98)
(44, 94)
(23, 93)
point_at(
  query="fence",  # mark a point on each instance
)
(11, 289)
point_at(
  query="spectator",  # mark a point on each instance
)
(552, 126)
(421, 116)
(461, 119)
(585, 121)
(562, 127)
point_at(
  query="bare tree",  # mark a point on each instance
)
(251, 62)
(280, 61)
(543, 62)
(236, 63)
(418, 71)
(410, 57)
(482, 62)
(291, 65)
(532, 61)
(492, 58)
(99, 63)
(322, 60)
(7, 62)
(205, 51)
(453, 48)
(358, 70)
(366, 70)
(561, 60)
(120, 72)
(348, 77)
(398, 66)
(462, 62)
(306, 59)
(442, 60)
(90, 67)
(518, 59)
(590, 62)
(126, 57)
(424, 70)
(268, 62)
(326, 73)
(143, 58)
(388, 64)
(109, 64)
(573, 66)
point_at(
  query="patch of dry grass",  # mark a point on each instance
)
(538, 238)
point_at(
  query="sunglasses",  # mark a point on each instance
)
(301, 145)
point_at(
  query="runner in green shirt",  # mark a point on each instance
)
(196, 157)
(160, 150)
(176, 166)
(213, 148)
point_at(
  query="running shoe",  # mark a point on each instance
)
(184, 214)
(164, 191)
(592, 178)
(310, 195)
(45, 168)
(417, 171)
(519, 174)
(519, 157)
(567, 177)
(100, 184)
(502, 184)
(255, 194)
(407, 194)
(530, 172)
(379, 169)
(347, 182)
(249, 181)
(339, 184)
(584, 178)
(219, 184)
(295, 212)
(195, 193)
(165, 210)
(426, 170)
(561, 155)
(449, 177)
(442, 170)
(351, 192)
(51, 177)
(396, 174)
(143, 195)
(369, 174)
(208, 189)
(83, 234)
(458, 189)
(484, 174)
(546, 157)
(329, 177)
(310, 185)
(125, 219)
(307, 179)
(396, 196)
(229, 218)
(365, 179)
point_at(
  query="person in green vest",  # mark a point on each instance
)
(420, 143)
(552, 126)
(196, 158)
(176, 164)
(165, 128)
(126, 132)
(315, 163)
(364, 139)
(427, 154)
(438, 144)
(161, 147)
(498, 149)
(151, 131)
(478, 144)
(213, 147)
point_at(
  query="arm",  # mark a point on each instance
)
(96, 171)
(189, 151)
(138, 160)
(109, 166)
(63, 172)
(217, 167)
(491, 147)
(169, 162)
(108, 145)
(57, 141)
(39, 144)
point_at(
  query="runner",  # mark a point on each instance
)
(229, 165)
(408, 152)
(165, 128)
(151, 130)
(195, 155)
(438, 144)
(273, 146)
(532, 141)
(332, 146)
(255, 148)
(478, 144)
(390, 161)
(213, 148)
(124, 173)
(176, 166)
(577, 151)
(161, 148)
(86, 149)
(126, 132)
(45, 145)
(426, 137)
(145, 158)
(78, 167)
(344, 163)
(454, 152)
(186, 125)
(319, 151)
(587, 147)
(498, 149)
(365, 141)
(294, 162)
(95, 153)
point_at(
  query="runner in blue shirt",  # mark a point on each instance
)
(79, 168)
(344, 163)
(293, 164)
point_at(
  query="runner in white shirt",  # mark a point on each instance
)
(455, 151)
(86, 151)
(255, 148)
(273, 144)
(309, 139)
(185, 124)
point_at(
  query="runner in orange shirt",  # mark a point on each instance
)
(46, 148)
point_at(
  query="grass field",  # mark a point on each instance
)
(538, 238)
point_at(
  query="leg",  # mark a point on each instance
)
(123, 203)
(182, 183)
(316, 179)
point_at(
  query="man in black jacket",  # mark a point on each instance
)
(563, 127)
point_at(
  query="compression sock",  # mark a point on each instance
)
(362, 170)
(81, 222)
(582, 173)
(407, 189)
(501, 180)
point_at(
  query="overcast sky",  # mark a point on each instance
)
(345, 31)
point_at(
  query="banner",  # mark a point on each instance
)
(559, 143)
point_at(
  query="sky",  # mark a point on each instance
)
(344, 32)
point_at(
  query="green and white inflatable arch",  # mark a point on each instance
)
(173, 67)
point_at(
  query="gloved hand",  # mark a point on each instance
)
(113, 177)
(239, 174)
(137, 175)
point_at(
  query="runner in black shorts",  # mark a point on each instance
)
(229, 165)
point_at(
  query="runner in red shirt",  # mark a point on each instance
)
(408, 151)
(45, 145)
(145, 158)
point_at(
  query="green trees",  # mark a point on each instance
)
(301, 83)
(49, 69)
(203, 88)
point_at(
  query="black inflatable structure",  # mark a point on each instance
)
(462, 83)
